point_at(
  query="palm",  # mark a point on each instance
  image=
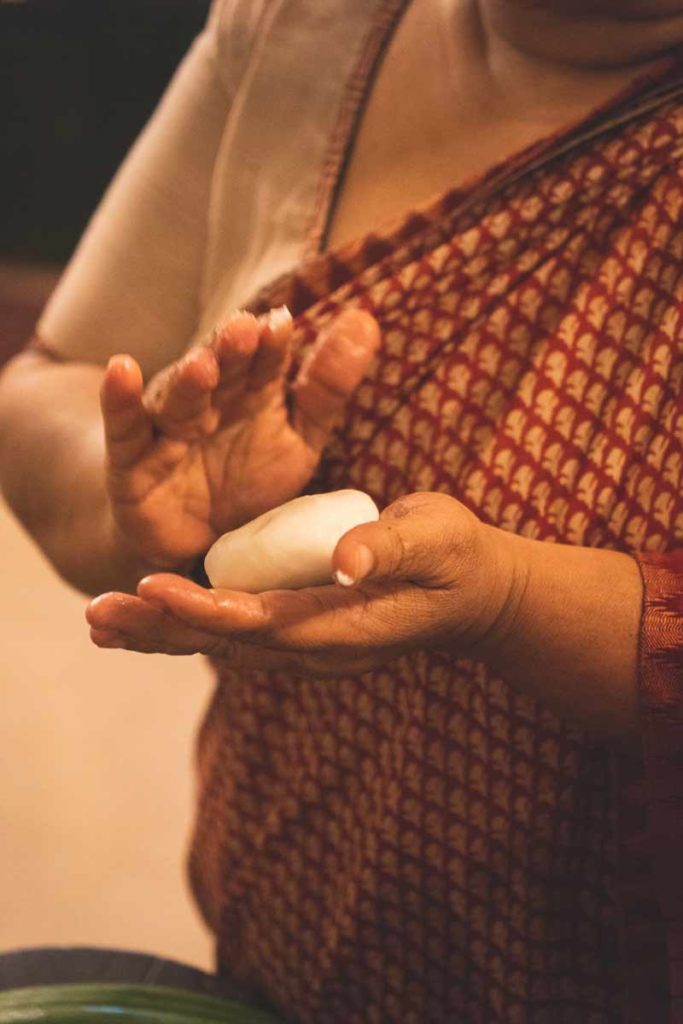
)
(186, 494)
(222, 447)
(255, 463)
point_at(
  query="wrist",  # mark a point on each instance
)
(504, 570)
(567, 633)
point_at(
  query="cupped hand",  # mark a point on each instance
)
(427, 574)
(212, 441)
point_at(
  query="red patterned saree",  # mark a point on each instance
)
(422, 844)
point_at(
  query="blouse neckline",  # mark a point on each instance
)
(356, 96)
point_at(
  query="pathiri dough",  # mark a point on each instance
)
(289, 547)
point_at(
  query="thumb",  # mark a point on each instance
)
(418, 538)
(127, 424)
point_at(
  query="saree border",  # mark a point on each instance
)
(660, 671)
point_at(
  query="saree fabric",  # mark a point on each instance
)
(661, 677)
(423, 843)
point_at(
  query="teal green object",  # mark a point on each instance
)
(124, 1004)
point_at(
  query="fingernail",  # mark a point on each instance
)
(343, 579)
(278, 319)
(143, 588)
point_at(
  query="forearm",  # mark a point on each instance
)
(52, 472)
(568, 635)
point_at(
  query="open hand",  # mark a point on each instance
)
(428, 574)
(211, 443)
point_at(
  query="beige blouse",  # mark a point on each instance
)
(227, 187)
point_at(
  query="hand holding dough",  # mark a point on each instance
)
(289, 547)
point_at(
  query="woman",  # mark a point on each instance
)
(447, 791)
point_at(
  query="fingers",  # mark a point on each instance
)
(187, 399)
(127, 621)
(127, 425)
(272, 358)
(212, 610)
(420, 538)
(179, 397)
(331, 372)
(324, 631)
(124, 620)
(251, 353)
(283, 619)
(130, 623)
(234, 345)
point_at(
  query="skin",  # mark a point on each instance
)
(588, 34)
(495, 76)
(220, 415)
(139, 477)
(428, 574)
(527, 69)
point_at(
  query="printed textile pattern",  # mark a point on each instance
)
(422, 843)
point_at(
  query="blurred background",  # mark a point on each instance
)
(95, 746)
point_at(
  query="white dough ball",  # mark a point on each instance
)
(289, 547)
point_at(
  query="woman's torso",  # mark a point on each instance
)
(423, 844)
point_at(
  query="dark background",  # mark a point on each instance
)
(78, 79)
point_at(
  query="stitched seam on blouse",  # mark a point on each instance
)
(255, 45)
(352, 107)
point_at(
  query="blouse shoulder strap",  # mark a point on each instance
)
(276, 145)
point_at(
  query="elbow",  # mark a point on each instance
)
(13, 376)
(18, 400)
